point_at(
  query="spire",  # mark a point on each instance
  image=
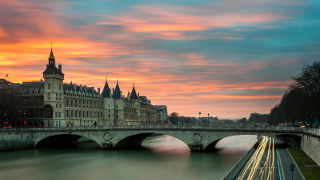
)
(117, 87)
(133, 93)
(106, 89)
(51, 57)
(117, 91)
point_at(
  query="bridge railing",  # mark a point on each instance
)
(216, 126)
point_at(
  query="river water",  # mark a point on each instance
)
(167, 158)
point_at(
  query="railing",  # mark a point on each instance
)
(198, 126)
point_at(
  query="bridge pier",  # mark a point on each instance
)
(196, 147)
(107, 145)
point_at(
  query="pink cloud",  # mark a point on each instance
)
(166, 22)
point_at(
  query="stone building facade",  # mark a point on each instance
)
(52, 103)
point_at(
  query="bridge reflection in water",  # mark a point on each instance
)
(164, 144)
(80, 164)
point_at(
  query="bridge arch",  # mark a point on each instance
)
(134, 140)
(63, 139)
(292, 140)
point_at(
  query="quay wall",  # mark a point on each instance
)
(15, 139)
(310, 144)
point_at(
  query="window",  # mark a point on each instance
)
(59, 86)
(48, 96)
(67, 113)
(49, 86)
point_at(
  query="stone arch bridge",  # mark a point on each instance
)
(197, 138)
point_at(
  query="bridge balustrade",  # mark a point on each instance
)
(221, 126)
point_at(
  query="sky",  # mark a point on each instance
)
(228, 58)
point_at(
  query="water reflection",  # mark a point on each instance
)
(169, 159)
(169, 145)
(164, 144)
(234, 144)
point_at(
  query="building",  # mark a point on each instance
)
(53, 103)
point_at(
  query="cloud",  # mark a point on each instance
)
(224, 57)
(171, 22)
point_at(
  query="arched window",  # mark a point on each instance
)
(48, 111)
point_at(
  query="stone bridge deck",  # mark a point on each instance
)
(198, 138)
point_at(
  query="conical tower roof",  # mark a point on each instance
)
(117, 92)
(51, 67)
(117, 87)
(51, 54)
(106, 90)
(133, 93)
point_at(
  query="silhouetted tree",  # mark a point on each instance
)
(301, 103)
(173, 117)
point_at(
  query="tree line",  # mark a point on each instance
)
(300, 105)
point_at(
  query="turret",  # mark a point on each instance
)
(117, 92)
(53, 93)
(133, 93)
(106, 90)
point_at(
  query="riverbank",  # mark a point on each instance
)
(309, 168)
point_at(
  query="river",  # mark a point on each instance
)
(167, 158)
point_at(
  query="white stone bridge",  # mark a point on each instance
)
(196, 137)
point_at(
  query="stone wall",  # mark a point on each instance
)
(15, 139)
(310, 144)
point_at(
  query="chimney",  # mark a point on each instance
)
(60, 67)
(98, 90)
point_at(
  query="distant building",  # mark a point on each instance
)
(258, 118)
(52, 103)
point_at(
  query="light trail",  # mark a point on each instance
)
(254, 157)
(261, 164)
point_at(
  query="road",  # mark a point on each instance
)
(263, 163)
(289, 172)
(270, 161)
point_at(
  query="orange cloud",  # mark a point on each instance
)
(91, 51)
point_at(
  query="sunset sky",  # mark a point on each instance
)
(225, 57)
